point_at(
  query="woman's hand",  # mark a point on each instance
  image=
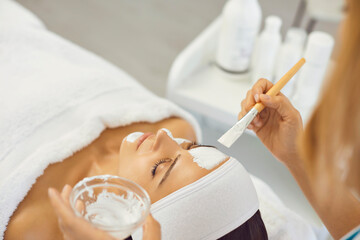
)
(76, 228)
(278, 125)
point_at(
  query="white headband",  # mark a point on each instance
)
(209, 208)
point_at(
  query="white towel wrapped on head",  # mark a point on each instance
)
(209, 208)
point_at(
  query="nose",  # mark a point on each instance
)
(163, 138)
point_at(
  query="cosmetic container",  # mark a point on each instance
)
(290, 52)
(266, 49)
(113, 204)
(240, 25)
(307, 87)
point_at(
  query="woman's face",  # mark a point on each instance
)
(159, 163)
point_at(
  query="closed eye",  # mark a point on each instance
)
(191, 145)
(158, 163)
(194, 145)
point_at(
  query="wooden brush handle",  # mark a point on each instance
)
(281, 83)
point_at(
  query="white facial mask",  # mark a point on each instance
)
(207, 157)
(177, 140)
(132, 137)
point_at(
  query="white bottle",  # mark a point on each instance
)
(266, 49)
(317, 55)
(241, 21)
(289, 54)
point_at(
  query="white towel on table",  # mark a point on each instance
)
(55, 99)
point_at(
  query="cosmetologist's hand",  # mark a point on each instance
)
(76, 228)
(278, 125)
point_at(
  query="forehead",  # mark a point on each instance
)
(207, 157)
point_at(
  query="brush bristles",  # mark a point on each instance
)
(231, 135)
(238, 129)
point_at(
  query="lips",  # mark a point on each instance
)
(143, 138)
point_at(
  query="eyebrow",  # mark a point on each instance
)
(169, 170)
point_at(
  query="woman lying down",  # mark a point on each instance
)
(67, 114)
(186, 184)
(184, 187)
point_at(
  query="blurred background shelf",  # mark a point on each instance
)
(213, 93)
(196, 83)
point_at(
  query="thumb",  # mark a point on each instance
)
(151, 229)
(61, 209)
(279, 103)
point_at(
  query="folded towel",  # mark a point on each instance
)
(55, 99)
(12, 13)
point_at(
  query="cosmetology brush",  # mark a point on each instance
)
(237, 130)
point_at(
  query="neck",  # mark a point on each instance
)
(105, 154)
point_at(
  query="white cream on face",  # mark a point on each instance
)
(207, 157)
(181, 140)
(132, 137)
(177, 140)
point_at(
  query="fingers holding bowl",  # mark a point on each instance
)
(73, 227)
(151, 229)
(62, 210)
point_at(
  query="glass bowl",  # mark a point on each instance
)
(111, 203)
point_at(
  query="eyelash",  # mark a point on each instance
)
(191, 145)
(194, 145)
(161, 161)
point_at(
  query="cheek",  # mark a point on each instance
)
(126, 151)
(133, 172)
(188, 173)
(139, 178)
(137, 171)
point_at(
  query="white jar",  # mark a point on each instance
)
(317, 55)
(266, 49)
(241, 21)
(290, 53)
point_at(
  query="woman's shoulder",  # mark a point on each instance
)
(33, 222)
